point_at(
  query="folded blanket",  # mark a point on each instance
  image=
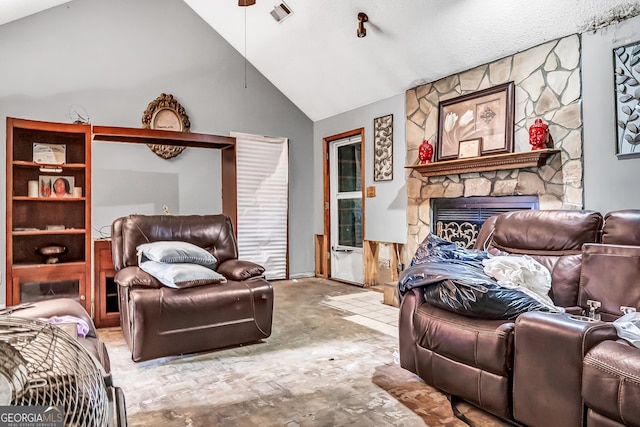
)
(82, 325)
(523, 273)
(453, 278)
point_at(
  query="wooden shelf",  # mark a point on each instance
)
(164, 137)
(59, 265)
(48, 232)
(525, 159)
(62, 166)
(48, 199)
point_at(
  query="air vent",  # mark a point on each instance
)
(281, 12)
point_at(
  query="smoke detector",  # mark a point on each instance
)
(280, 12)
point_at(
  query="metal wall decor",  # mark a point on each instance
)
(166, 113)
(627, 80)
(383, 148)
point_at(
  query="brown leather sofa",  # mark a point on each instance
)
(530, 369)
(46, 309)
(160, 321)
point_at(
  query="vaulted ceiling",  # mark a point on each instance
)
(315, 58)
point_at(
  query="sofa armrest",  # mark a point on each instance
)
(547, 374)
(575, 310)
(235, 269)
(132, 277)
(610, 385)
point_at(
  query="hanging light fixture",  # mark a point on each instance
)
(362, 18)
(246, 2)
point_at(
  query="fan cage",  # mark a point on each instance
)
(45, 366)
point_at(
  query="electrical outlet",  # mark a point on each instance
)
(388, 263)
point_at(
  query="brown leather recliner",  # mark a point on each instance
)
(543, 368)
(161, 321)
(473, 358)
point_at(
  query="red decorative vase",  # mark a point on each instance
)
(425, 152)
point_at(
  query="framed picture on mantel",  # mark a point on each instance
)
(486, 115)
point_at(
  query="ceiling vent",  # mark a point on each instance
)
(280, 12)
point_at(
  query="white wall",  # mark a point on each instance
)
(385, 214)
(609, 183)
(113, 58)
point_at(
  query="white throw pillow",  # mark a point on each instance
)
(182, 275)
(175, 252)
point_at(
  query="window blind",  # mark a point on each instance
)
(262, 166)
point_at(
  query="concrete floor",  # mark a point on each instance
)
(328, 362)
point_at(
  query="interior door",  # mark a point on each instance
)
(345, 160)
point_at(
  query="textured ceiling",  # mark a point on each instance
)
(316, 60)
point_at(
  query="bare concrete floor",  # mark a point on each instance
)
(316, 369)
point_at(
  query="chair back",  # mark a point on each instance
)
(215, 233)
(552, 237)
(611, 269)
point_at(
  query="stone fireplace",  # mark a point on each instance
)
(547, 86)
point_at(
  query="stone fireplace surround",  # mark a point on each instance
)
(547, 86)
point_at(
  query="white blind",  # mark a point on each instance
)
(263, 199)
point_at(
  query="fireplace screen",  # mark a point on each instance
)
(459, 220)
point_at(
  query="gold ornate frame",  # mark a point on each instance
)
(166, 113)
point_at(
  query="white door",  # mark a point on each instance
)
(346, 210)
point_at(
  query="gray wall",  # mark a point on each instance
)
(113, 58)
(385, 214)
(609, 183)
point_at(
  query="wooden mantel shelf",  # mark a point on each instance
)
(525, 159)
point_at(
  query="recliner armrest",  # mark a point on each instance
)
(236, 269)
(136, 277)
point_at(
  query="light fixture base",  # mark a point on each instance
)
(362, 18)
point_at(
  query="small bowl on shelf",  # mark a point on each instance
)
(52, 252)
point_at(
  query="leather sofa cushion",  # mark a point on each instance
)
(622, 227)
(538, 231)
(238, 269)
(484, 344)
(554, 239)
(610, 382)
(607, 272)
(214, 233)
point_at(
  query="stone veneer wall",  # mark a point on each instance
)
(547, 86)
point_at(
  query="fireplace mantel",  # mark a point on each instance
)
(525, 159)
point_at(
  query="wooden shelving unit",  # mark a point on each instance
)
(29, 278)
